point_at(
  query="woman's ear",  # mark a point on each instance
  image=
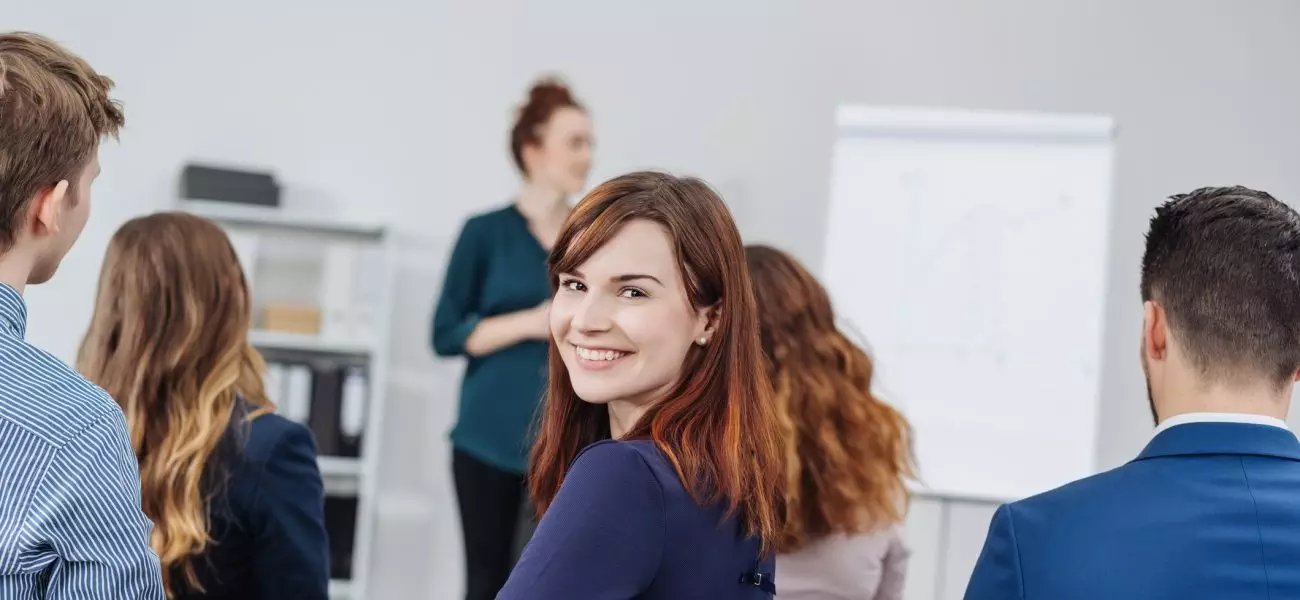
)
(706, 324)
(531, 155)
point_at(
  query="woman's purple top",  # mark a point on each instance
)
(623, 527)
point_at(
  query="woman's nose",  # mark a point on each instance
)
(593, 315)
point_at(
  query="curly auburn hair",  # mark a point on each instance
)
(847, 454)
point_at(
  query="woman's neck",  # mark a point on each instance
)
(541, 203)
(623, 417)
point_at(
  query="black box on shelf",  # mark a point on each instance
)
(201, 182)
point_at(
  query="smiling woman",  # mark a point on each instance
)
(655, 345)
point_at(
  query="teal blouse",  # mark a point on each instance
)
(496, 267)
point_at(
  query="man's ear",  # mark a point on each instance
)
(48, 207)
(708, 324)
(1155, 331)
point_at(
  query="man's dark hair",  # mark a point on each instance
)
(1225, 265)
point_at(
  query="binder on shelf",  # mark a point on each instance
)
(353, 418)
(297, 393)
(326, 409)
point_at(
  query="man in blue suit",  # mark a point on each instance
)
(1211, 508)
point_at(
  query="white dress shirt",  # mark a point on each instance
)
(1206, 417)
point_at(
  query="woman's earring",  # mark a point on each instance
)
(702, 341)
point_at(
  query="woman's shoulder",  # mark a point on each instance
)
(624, 463)
(269, 434)
(491, 218)
(614, 453)
(624, 453)
(632, 463)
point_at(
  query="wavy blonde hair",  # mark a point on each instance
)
(169, 341)
(847, 454)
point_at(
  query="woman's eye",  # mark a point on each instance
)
(572, 285)
(631, 293)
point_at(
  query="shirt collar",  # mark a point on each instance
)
(1205, 417)
(13, 311)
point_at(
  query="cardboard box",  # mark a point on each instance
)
(291, 318)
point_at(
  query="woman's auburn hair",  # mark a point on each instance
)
(168, 340)
(847, 454)
(717, 426)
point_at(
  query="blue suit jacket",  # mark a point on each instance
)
(268, 523)
(1207, 511)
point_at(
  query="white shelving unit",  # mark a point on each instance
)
(307, 343)
(343, 476)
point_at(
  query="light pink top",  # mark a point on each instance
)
(865, 566)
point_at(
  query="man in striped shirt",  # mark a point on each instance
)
(70, 519)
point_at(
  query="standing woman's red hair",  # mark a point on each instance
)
(657, 466)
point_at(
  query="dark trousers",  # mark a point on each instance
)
(496, 520)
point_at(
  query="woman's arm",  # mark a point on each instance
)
(893, 571)
(502, 331)
(457, 326)
(603, 535)
(289, 521)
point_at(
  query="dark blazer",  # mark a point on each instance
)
(1208, 511)
(268, 521)
(623, 527)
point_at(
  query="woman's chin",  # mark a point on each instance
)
(575, 187)
(597, 398)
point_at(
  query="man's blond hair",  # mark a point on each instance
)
(54, 109)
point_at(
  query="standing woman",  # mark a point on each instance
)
(233, 490)
(493, 310)
(657, 465)
(847, 453)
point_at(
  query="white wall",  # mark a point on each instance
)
(400, 110)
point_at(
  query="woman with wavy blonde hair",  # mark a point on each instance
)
(233, 490)
(847, 454)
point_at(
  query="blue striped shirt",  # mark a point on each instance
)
(70, 519)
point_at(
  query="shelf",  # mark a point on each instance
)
(277, 218)
(340, 589)
(338, 466)
(279, 340)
